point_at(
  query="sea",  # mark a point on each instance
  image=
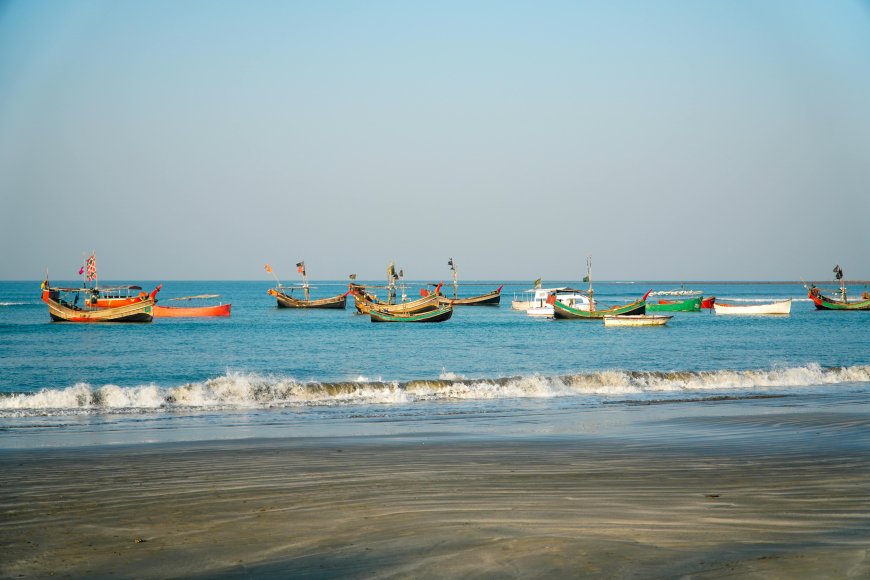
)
(488, 371)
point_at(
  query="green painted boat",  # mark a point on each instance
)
(823, 302)
(437, 315)
(564, 312)
(690, 305)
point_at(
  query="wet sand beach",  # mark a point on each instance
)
(740, 494)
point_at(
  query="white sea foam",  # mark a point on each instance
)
(15, 303)
(254, 391)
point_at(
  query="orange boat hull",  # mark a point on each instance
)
(115, 302)
(191, 312)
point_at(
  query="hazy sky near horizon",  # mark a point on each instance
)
(669, 140)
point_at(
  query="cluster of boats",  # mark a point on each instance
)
(92, 303)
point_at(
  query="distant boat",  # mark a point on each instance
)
(192, 311)
(780, 307)
(566, 312)
(366, 302)
(488, 299)
(540, 307)
(284, 294)
(823, 302)
(689, 305)
(637, 320)
(63, 306)
(437, 315)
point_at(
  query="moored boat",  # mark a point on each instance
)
(823, 302)
(437, 315)
(542, 308)
(63, 307)
(192, 311)
(637, 320)
(564, 312)
(780, 307)
(285, 299)
(688, 305)
(366, 302)
(492, 298)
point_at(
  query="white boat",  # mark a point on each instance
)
(637, 320)
(778, 307)
(568, 296)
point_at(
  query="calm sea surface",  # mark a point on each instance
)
(266, 368)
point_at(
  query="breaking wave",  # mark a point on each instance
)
(15, 303)
(253, 391)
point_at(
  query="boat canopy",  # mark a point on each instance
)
(113, 288)
(197, 297)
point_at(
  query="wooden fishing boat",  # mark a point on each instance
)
(192, 311)
(366, 302)
(437, 315)
(780, 307)
(823, 302)
(489, 299)
(61, 309)
(287, 300)
(637, 320)
(284, 294)
(689, 305)
(589, 311)
(564, 312)
(708, 302)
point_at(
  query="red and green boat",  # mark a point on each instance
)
(437, 315)
(823, 302)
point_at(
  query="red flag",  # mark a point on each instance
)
(300, 267)
(81, 270)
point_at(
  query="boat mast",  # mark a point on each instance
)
(838, 273)
(300, 267)
(589, 278)
(452, 265)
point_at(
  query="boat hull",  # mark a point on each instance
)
(781, 308)
(191, 311)
(708, 302)
(425, 304)
(287, 301)
(564, 312)
(690, 305)
(437, 315)
(489, 299)
(637, 320)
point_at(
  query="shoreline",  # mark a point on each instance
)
(685, 493)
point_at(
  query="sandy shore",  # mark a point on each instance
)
(704, 506)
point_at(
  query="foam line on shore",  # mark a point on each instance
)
(254, 391)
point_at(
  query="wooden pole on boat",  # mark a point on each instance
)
(589, 277)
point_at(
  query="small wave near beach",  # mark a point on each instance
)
(253, 391)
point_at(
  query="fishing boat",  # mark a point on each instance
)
(688, 305)
(365, 301)
(192, 311)
(439, 314)
(542, 308)
(780, 307)
(63, 306)
(823, 302)
(637, 320)
(492, 298)
(563, 311)
(285, 298)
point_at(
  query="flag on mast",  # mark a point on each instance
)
(537, 283)
(300, 267)
(268, 268)
(450, 263)
(92, 268)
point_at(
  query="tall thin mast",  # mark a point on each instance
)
(589, 277)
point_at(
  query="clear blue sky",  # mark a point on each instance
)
(200, 139)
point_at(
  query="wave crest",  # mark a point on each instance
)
(254, 391)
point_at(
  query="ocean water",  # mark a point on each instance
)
(267, 371)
